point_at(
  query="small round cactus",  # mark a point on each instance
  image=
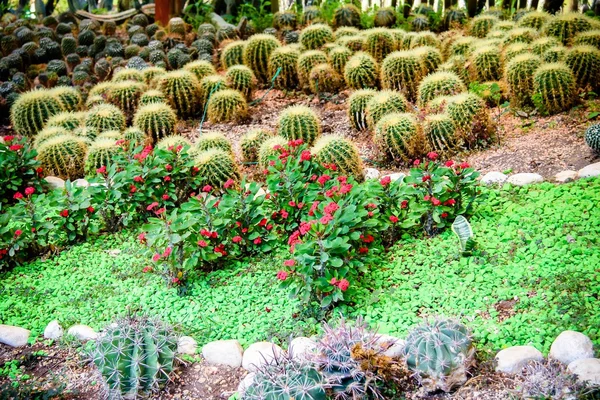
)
(284, 59)
(233, 54)
(48, 132)
(346, 31)
(156, 120)
(128, 74)
(515, 49)
(256, 55)
(361, 71)
(338, 57)
(242, 79)
(340, 152)
(440, 132)
(100, 153)
(539, 46)
(200, 69)
(420, 23)
(385, 17)
(251, 142)
(151, 73)
(213, 140)
(105, 117)
(324, 79)
(135, 136)
(584, 61)
(285, 20)
(216, 167)
(439, 84)
(182, 90)
(402, 71)
(462, 46)
(397, 135)
(556, 86)
(346, 15)
(299, 122)
(564, 27)
(357, 108)
(152, 96)
(227, 105)
(307, 61)
(379, 42)
(555, 54)
(354, 43)
(590, 38)
(314, 36)
(383, 103)
(519, 77)
(69, 98)
(31, 110)
(430, 57)
(173, 142)
(425, 39)
(268, 150)
(535, 20)
(311, 15)
(101, 89)
(469, 113)
(126, 95)
(210, 85)
(63, 156)
(592, 137)
(67, 120)
(485, 64)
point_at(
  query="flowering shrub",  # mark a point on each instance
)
(76, 213)
(18, 169)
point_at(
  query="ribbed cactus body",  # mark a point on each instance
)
(227, 105)
(556, 86)
(209, 85)
(100, 153)
(439, 84)
(31, 110)
(105, 117)
(565, 27)
(251, 143)
(112, 135)
(152, 96)
(338, 57)
(135, 136)
(256, 55)
(379, 42)
(128, 74)
(402, 71)
(216, 167)
(299, 122)
(48, 132)
(539, 46)
(515, 49)
(315, 36)
(520, 35)
(285, 60)
(324, 79)
(357, 105)
(425, 38)
(311, 15)
(591, 38)
(67, 120)
(156, 120)
(439, 352)
(519, 77)
(420, 23)
(172, 142)
(396, 135)
(346, 15)
(213, 140)
(242, 79)
(385, 17)
(285, 20)
(63, 156)
(361, 71)
(383, 103)
(354, 43)
(535, 20)
(200, 69)
(233, 54)
(69, 97)
(182, 90)
(135, 356)
(430, 57)
(464, 108)
(584, 61)
(307, 61)
(480, 26)
(485, 64)
(126, 95)
(555, 54)
(440, 132)
(341, 152)
(592, 137)
(462, 46)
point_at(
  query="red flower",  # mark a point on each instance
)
(147, 269)
(269, 227)
(371, 206)
(156, 257)
(169, 167)
(151, 206)
(363, 250)
(394, 219)
(367, 239)
(404, 204)
(435, 201)
(417, 162)
(289, 263)
(432, 155)
(236, 239)
(464, 165)
(331, 208)
(313, 207)
(167, 179)
(426, 197)
(18, 196)
(175, 280)
(346, 188)
(167, 252)
(18, 233)
(29, 190)
(263, 222)
(450, 202)
(325, 219)
(8, 138)
(39, 170)
(284, 214)
(119, 142)
(292, 203)
(229, 183)
(101, 170)
(343, 285)
(132, 189)
(207, 188)
(15, 147)
(370, 213)
(257, 240)
(333, 281)
(331, 191)
(159, 211)
(444, 215)
(426, 178)
(386, 180)
(202, 243)
(90, 209)
(305, 156)
(449, 163)
(138, 179)
(282, 275)
(323, 178)
(64, 213)
(142, 237)
(165, 197)
(214, 235)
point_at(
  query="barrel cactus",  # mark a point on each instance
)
(31, 110)
(182, 90)
(299, 122)
(555, 86)
(69, 97)
(63, 156)
(128, 74)
(135, 136)
(284, 60)
(314, 36)
(338, 57)
(425, 38)
(227, 105)
(590, 38)
(48, 132)
(439, 84)
(233, 54)
(485, 64)
(67, 120)
(430, 57)
(592, 137)
(469, 113)
(379, 42)
(519, 77)
(398, 135)
(209, 85)
(402, 71)
(213, 140)
(440, 132)
(539, 46)
(383, 103)
(100, 153)
(357, 105)
(311, 15)
(584, 61)
(256, 55)
(152, 96)
(242, 79)
(307, 61)
(268, 150)
(520, 35)
(385, 17)
(420, 23)
(555, 54)
(156, 120)
(439, 352)
(515, 49)
(535, 20)
(354, 43)
(323, 78)
(361, 71)
(251, 142)
(135, 356)
(285, 20)
(126, 95)
(346, 15)
(200, 69)
(216, 167)
(340, 152)
(565, 27)
(462, 46)
(173, 142)
(105, 117)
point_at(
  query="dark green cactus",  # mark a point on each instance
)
(425, 38)
(182, 90)
(152, 96)
(324, 79)
(213, 140)
(210, 85)
(584, 61)
(480, 26)
(233, 54)
(227, 32)
(285, 19)
(361, 71)
(383, 103)
(151, 73)
(68, 45)
(439, 84)
(555, 54)
(564, 27)
(341, 152)
(67, 120)
(346, 15)
(385, 17)
(257, 51)
(69, 97)
(251, 142)
(31, 110)
(485, 64)
(454, 18)
(314, 36)
(379, 42)
(126, 95)
(591, 38)
(311, 15)
(397, 135)
(242, 79)
(156, 120)
(420, 23)
(402, 71)
(216, 167)
(354, 43)
(105, 117)
(135, 356)
(100, 153)
(307, 61)
(227, 105)
(462, 46)
(285, 60)
(200, 69)
(519, 78)
(430, 57)
(357, 105)
(515, 49)
(63, 156)
(439, 352)
(555, 85)
(299, 122)
(592, 137)
(440, 132)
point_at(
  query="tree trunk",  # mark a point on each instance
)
(407, 7)
(534, 4)
(522, 4)
(553, 6)
(472, 8)
(162, 9)
(574, 5)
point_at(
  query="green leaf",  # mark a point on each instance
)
(462, 229)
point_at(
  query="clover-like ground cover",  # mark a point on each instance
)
(536, 273)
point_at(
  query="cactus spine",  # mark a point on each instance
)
(482, 25)
(31, 110)
(440, 132)
(439, 84)
(126, 95)
(284, 59)
(100, 152)
(584, 61)
(67, 120)
(242, 79)
(227, 105)
(105, 117)
(361, 71)
(379, 42)
(519, 77)
(485, 64)
(69, 98)
(233, 54)
(383, 103)
(213, 140)
(556, 86)
(251, 142)
(357, 108)
(182, 90)
(63, 156)
(299, 122)
(402, 71)
(216, 167)
(338, 57)
(257, 51)
(200, 69)
(323, 78)
(210, 85)
(341, 152)
(565, 27)
(397, 135)
(128, 74)
(156, 120)
(313, 37)
(592, 137)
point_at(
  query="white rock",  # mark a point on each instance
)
(186, 345)
(570, 346)
(53, 330)
(82, 332)
(223, 352)
(246, 383)
(260, 192)
(565, 176)
(371, 173)
(398, 176)
(392, 346)
(589, 171)
(13, 335)
(259, 354)
(301, 347)
(586, 369)
(114, 252)
(55, 183)
(81, 182)
(525, 179)
(493, 177)
(512, 359)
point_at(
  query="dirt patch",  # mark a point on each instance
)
(506, 309)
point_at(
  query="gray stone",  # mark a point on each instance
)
(391, 345)
(53, 331)
(589, 171)
(259, 354)
(245, 384)
(82, 332)
(223, 352)
(565, 176)
(371, 173)
(187, 345)
(54, 182)
(586, 369)
(494, 178)
(570, 346)
(81, 182)
(13, 336)
(301, 347)
(512, 359)
(525, 179)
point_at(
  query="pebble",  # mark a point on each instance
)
(589, 171)
(494, 177)
(565, 176)
(53, 331)
(187, 345)
(13, 336)
(82, 332)
(392, 345)
(570, 346)
(81, 182)
(301, 347)
(371, 173)
(245, 383)
(223, 352)
(512, 359)
(525, 179)
(54, 182)
(586, 369)
(259, 354)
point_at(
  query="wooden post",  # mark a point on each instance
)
(161, 11)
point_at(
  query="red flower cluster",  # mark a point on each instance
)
(393, 219)
(386, 180)
(29, 190)
(64, 213)
(342, 284)
(15, 147)
(282, 275)
(101, 170)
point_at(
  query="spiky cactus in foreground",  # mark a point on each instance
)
(519, 77)
(379, 42)
(48, 132)
(284, 59)
(383, 103)
(439, 84)
(314, 36)
(182, 90)
(135, 356)
(584, 61)
(100, 152)
(440, 132)
(257, 51)
(105, 117)
(213, 140)
(172, 142)
(398, 135)
(69, 97)
(361, 71)
(592, 137)
(63, 156)
(227, 105)
(485, 64)
(251, 143)
(554, 83)
(152, 96)
(156, 120)
(31, 110)
(591, 38)
(233, 54)
(481, 25)
(439, 352)
(402, 71)
(357, 105)
(126, 95)
(299, 122)
(341, 153)
(67, 120)
(307, 61)
(216, 167)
